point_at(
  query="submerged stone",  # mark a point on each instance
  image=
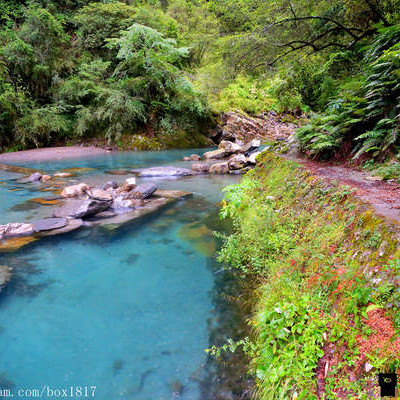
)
(15, 243)
(172, 194)
(63, 175)
(47, 201)
(200, 236)
(5, 276)
(117, 172)
(78, 170)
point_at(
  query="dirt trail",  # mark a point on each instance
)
(384, 197)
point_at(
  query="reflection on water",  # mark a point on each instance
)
(129, 310)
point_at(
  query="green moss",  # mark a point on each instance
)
(319, 254)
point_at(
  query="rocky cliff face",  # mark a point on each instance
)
(239, 127)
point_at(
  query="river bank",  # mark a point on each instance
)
(326, 317)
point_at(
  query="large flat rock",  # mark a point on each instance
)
(80, 208)
(48, 224)
(72, 225)
(163, 171)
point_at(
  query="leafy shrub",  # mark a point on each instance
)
(243, 94)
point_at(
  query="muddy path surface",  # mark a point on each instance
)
(384, 197)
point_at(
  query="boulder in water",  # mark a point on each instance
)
(35, 177)
(201, 167)
(163, 172)
(237, 162)
(219, 168)
(74, 190)
(145, 189)
(215, 154)
(229, 147)
(81, 208)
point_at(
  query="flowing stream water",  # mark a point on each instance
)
(129, 311)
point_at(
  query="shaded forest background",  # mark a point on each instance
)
(71, 70)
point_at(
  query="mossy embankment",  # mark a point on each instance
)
(326, 317)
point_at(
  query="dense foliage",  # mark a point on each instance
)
(75, 69)
(100, 69)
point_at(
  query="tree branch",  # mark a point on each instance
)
(350, 30)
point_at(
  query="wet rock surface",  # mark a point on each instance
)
(16, 229)
(48, 224)
(146, 189)
(80, 208)
(35, 177)
(162, 171)
(74, 190)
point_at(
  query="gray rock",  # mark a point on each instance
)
(237, 162)
(162, 172)
(72, 225)
(220, 168)
(229, 147)
(110, 185)
(99, 194)
(35, 177)
(48, 224)
(145, 189)
(252, 158)
(251, 147)
(80, 208)
(218, 154)
(5, 276)
(194, 157)
(201, 167)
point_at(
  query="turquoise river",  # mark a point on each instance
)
(128, 311)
